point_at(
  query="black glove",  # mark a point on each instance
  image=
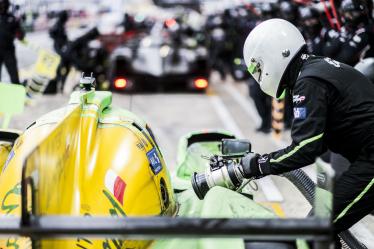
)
(249, 162)
(255, 165)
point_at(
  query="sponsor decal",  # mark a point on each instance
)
(299, 112)
(298, 99)
(9, 207)
(304, 57)
(144, 142)
(321, 178)
(13, 243)
(83, 243)
(155, 161)
(114, 211)
(332, 62)
(10, 157)
(115, 185)
(263, 159)
(140, 146)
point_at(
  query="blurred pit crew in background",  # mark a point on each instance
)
(60, 44)
(10, 29)
(351, 44)
(312, 29)
(217, 41)
(288, 11)
(82, 53)
(263, 101)
(355, 39)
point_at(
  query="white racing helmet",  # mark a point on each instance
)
(268, 51)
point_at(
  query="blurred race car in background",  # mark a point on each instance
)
(117, 28)
(172, 53)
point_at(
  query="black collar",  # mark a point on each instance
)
(292, 72)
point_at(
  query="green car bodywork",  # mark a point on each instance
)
(218, 203)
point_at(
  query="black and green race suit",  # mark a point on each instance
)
(333, 109)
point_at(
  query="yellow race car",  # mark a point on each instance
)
(89, 160)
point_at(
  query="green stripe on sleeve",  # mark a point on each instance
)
(302, 144)
(355, 200)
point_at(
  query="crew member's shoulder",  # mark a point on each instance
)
(309, 82)
(315, 69)
(316, 64)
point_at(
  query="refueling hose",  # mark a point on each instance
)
(303, 183)
(307, 188)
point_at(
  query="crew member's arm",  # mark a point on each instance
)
(353, 48)
(310, 99)
(332, 43)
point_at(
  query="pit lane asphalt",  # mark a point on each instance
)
(171, 115)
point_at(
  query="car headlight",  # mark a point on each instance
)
(164, 51)
(146, 42)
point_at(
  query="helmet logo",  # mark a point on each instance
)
(304, 57)
(255, 67)
(252, 67)
(286, 53)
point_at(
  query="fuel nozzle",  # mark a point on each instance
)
(87, 83)
(222, 172)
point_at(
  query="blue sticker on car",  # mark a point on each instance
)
(155, 161)
(299, 112)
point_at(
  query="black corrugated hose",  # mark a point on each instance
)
(307, 188)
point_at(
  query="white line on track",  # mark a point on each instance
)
(270, 190)
(225, 116)
(267, 185)
(246, 103)
(248, 106)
